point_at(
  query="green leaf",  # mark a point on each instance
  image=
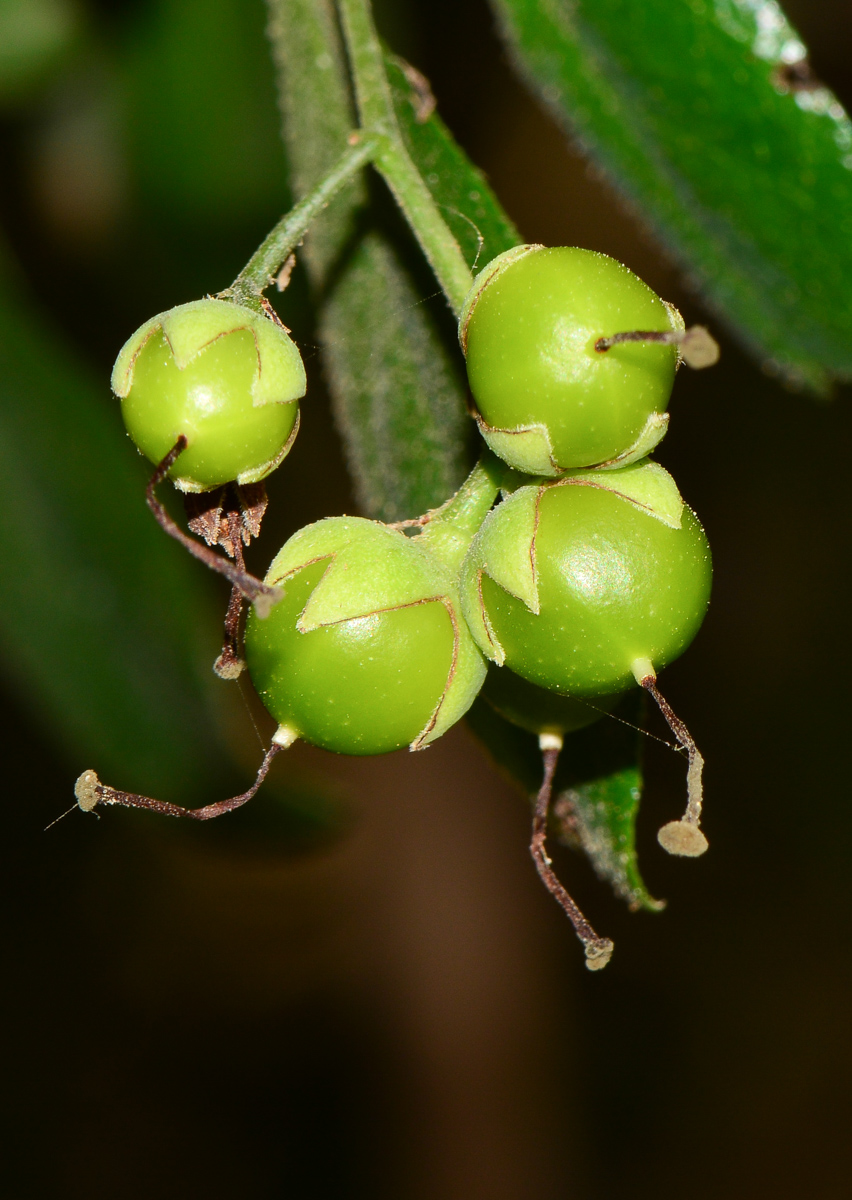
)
(468, 205)
(513, 750)
(104, 624)
(596, 791)
(294, 814)
(399, 391)
(704, 115)
(599, 817)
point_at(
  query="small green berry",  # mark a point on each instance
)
(367, 652)
(573, 583)
(224, 377)
(548, 400)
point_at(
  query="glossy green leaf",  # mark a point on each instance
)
(705, 115)
(596, 792)
(104, 624)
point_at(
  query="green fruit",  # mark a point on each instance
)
(224, 377)
(580, 584)
(547, 400)
(537, 709)
(367, 652)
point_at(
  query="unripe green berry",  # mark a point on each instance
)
(537, 709)
(226, 378)
(367, 652)
(547, 399)
(573, 583)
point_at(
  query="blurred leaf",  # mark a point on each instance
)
(201, 111)
(77, 156)
(35, 37)
(597, 788)
(104, 623)
(514, 750)
(293, 815)
(706, 117)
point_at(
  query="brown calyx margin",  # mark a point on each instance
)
(542, 488)
(272, 316)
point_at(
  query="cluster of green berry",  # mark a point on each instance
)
(567, 559)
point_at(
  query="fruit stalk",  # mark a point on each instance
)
(264, 264)
(375, 108)
(449, 530)
(598, 950)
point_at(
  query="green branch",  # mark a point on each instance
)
(267, 260)
(449, 530)
(375, 108)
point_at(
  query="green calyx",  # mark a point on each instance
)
(367, 652)
(226, 378)
(547, 399)
(570, 583)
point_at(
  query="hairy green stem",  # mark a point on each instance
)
(280, 242)
(375, 108)
(449, 530)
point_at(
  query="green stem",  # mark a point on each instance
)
(452, 527)
(375, 107)
(273, 251)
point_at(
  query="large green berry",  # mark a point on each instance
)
(547, 400)
(572, 583)
(367, 651)
(226, 378)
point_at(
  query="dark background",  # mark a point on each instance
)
(376, 998)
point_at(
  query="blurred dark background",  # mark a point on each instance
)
(359, 988)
